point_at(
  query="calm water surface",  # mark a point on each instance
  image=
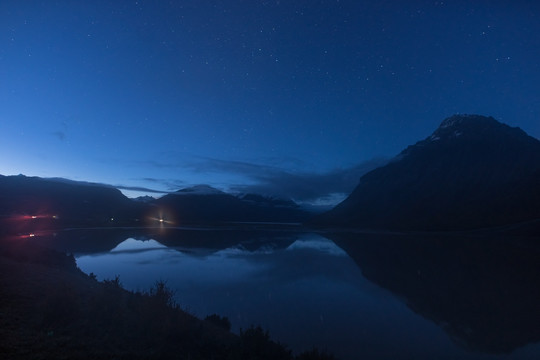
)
(358, 296)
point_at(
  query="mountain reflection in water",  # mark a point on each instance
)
(483, 291)
(477, 297)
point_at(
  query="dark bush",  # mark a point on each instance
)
(255, 343)
(222, 322)
(163, 294)
(113, 283)
(315, 354)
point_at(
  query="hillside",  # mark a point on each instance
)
(472, 172)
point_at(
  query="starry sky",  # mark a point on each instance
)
(288, 98)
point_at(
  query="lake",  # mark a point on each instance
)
(369, 296)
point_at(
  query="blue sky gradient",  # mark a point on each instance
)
(243, 95)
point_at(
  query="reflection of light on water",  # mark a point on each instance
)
(29, 226)
(36, 234)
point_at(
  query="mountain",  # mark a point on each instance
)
(204, 204)
(200, 190)
(31, 203)
(472, 172)
(145, 199)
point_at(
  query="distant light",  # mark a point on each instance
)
(32, 235)
(55, 216)
(34, 217)
(112, 219)
(160, 220)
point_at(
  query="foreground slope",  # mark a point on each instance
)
(49, 309)
(472, 172)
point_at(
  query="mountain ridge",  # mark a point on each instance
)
(30, 206)
(471, 172)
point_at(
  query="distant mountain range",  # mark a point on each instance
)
(33, 204)
(211, 205)
(472, 172)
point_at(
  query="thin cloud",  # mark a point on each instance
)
(300, 186)
(60, 135)
(141, 189)
(169, 184)
(272, 180)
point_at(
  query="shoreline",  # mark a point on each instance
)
(49, 308)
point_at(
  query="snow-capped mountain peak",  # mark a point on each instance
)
(200, 190)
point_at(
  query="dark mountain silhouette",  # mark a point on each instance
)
(203, 204)
(472, 172)
(53, 203)
(145, 199)
(36, 206)
(482, 289)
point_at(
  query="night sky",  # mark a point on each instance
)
(287, 98)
